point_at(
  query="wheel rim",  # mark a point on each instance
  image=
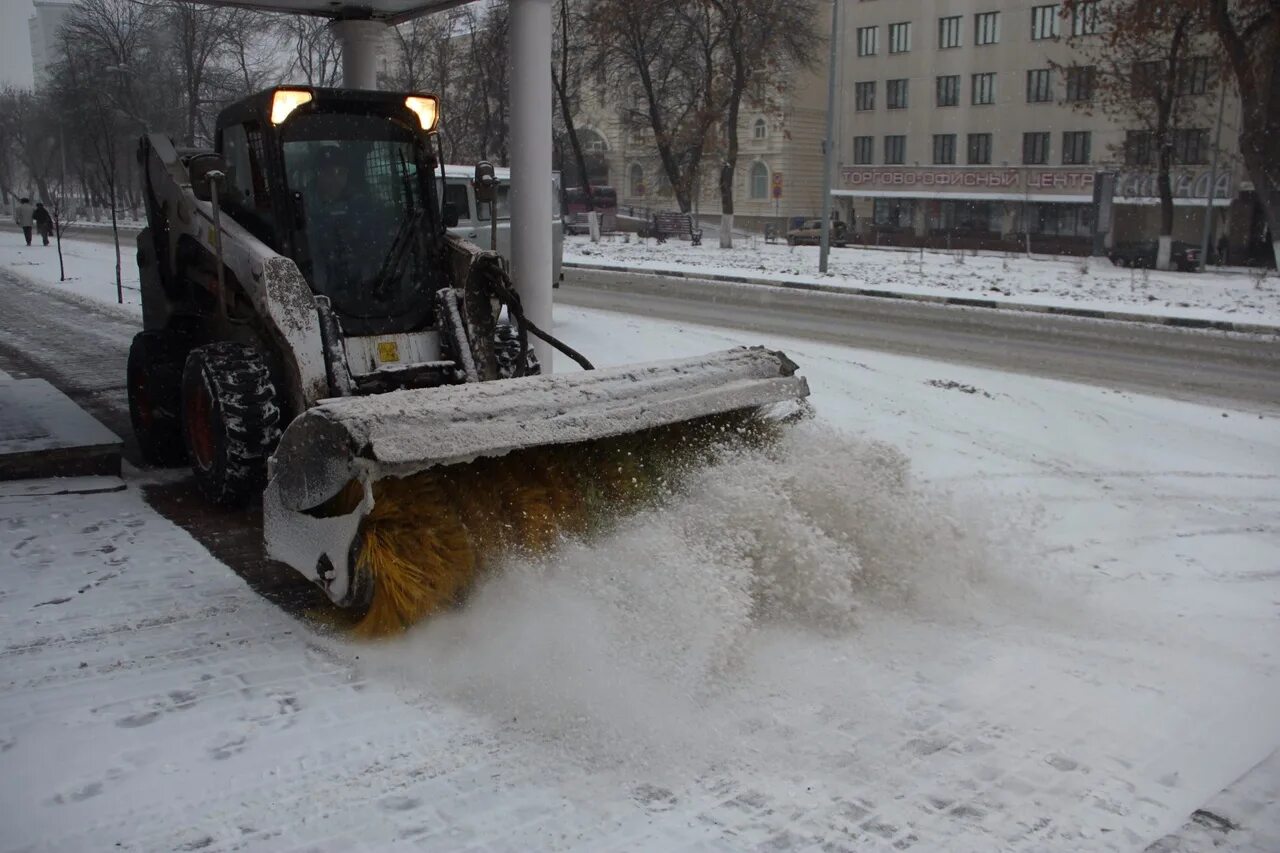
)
(141, 399)
(199, 416)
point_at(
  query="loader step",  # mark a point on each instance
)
(44, 434)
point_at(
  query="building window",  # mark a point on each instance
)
(949, 90)
(984, 88)
(868, 41)
(895, 150)
(1035, 148)
(1084, 18)
(949, 32)
(900, 37)
(1191, 147)
(1039, 87)
(944, 149)
(635, 180)
(895, 95)
(1075, 147)
(759, 130)
(1137, 148)
(1080, 83)
(1193, 76)
(979, 149)
(864, 95)
(759, 180)
(1044, 22)
(986, 28)
(1146, 77)
(863, 150)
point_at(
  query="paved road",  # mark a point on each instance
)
(1171, 362)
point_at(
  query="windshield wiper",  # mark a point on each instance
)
(392, 265)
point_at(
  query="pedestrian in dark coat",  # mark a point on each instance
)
(1224, 246)
(43, 221)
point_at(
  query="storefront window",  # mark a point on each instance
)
(894, 213)
(963, 216)
(1060, 220)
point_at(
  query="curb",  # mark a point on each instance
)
(962, 301)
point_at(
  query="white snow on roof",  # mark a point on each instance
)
(453, 170)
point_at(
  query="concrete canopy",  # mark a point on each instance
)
(387, 11)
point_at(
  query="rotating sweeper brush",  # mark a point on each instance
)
(305, 303)
(393, 503)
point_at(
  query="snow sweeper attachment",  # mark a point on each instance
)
(395, 503)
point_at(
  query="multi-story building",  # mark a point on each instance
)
(962, 121)
(779, 168)
(958, 123)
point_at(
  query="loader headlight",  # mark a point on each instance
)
(285, 101)
(426, 109)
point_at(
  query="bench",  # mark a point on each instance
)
(675, 225)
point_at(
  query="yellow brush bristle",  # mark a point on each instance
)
(430, 535)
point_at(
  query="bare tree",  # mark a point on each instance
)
(567, 69)
(761, 38)
(661, 57)
(1137, 76)
(252, 44)
(488, 56)
(111, 36)
(1247, 33)
(415, 45)
(198, 36)
(315, 53)
(29, 137)
(62, 210)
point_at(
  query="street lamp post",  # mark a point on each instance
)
(828, 145)
(1207, 233)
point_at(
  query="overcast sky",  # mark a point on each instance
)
(15, 43)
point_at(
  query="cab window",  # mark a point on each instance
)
(249, 200)
(455, 193)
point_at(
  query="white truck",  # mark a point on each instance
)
(474, 216)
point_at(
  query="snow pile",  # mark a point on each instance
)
(631, 647)
(1089, 283)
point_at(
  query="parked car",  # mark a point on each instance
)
(1142, 254)
(810, 233)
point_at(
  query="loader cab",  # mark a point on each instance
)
(340, 181)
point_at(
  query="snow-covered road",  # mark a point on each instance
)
(963, 610)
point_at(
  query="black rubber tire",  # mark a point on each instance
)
(230, 420)
(153, 379)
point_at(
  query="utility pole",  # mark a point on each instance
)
(1213, 177)
(829, 144)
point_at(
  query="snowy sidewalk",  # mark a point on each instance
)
(1080, 284)
(90, 268)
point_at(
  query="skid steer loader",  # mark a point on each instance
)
(314, 336)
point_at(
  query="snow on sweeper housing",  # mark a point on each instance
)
(311, 328)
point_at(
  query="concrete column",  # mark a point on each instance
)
(531, 198)
(359, 41)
